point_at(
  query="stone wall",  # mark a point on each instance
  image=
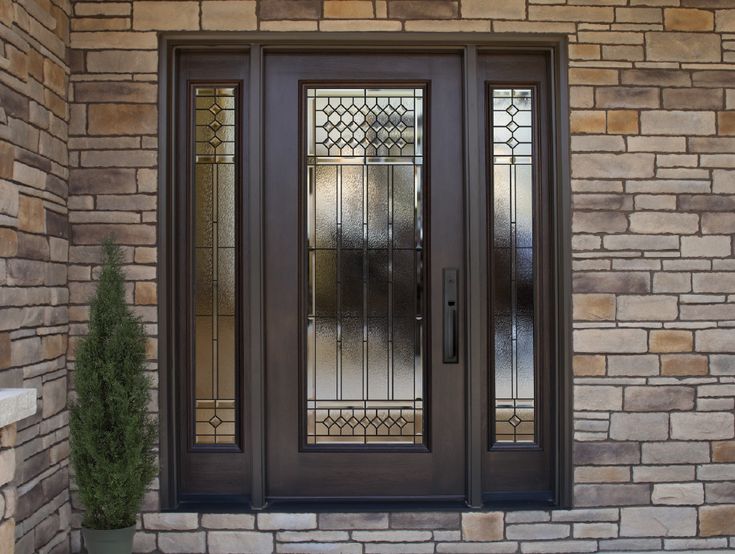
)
(34, 243)
(653, 181)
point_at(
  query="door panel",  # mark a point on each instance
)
(359, 402)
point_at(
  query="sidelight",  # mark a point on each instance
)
(214, 265)
(512, 271)
(364, 382)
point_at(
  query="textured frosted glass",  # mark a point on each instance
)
(512, 282)
(364, 371)
(214, 265)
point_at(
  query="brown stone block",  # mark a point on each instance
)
(5, 356)
(717, 520)
(599, 222)
(588, 365)
(668, 340)
(122, 119)
(7, 156)
(683, 364)
(31, 246)
(707, 202)
(719, 78)
(693, 99)
(53, 346)
(677, 19)
(106, 91)
(612, 495)
(423, 9)
(658, 399)
(30, 214)
(627, 97)
(102, 181)
(133, 235)
(8, 242)
(726, 123)
(100, 24)
(118, 61)
(54, 77)
(290, 9)
(622, 122)
(17, 62)
(611, 281)
(580, 51)
(723, 451)
(655, 77)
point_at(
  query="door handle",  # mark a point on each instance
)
(451, 317)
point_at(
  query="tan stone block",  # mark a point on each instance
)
(610, 166)
(17, 61)
(602, 474)
(598, 397)
(610, 341)
(637, 15)
(31, 214)
(7, 536)
(583, 51)
(117, 61)
(664, 222)
(588, 121)
(53, 346)
(8, 435)
(497, 9)
(145, 293)
(288, 25)
(443, 25)
(100, 24)
(625, 53)
(229, 15)
(348, 9)
(622, 122)
(669, 340)
(683, 364)
(717, 520)
(588, 365)
(592, 76)
(7, 466)
(329, 25)
(122, 119)
(681, 19)
(726, 123)
(115, 40)
(725, 20)
(594, 307)
(486, 526)
(683, 47)
(723, 451)
(165, 15)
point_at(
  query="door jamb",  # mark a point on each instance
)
(469, 45)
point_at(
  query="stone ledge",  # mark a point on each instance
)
(16, 404)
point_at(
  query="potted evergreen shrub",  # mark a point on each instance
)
(112, 434)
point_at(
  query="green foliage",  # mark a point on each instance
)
(112, 434)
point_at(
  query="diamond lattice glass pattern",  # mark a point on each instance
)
(513, 258)
(365, 324)
(214, 263)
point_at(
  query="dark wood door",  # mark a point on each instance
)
(363, 180)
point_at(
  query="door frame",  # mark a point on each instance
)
(256, 44)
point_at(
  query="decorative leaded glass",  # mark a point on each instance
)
(214, 265)
(365, 316)
(513, 265)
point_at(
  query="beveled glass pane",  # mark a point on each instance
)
(364, 370)
(214, 266)
(512, 286)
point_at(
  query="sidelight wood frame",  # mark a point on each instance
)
(475, 339)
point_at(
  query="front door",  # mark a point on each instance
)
(364, 250)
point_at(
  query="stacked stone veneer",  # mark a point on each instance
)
(34, 242)
(653, 181)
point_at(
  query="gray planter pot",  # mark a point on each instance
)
(109, 541)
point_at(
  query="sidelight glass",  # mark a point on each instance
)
(365, 286)
(512, 282)
(214, 265)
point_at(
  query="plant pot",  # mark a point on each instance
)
(109, 541)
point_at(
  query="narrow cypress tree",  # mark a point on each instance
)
(112, 434)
